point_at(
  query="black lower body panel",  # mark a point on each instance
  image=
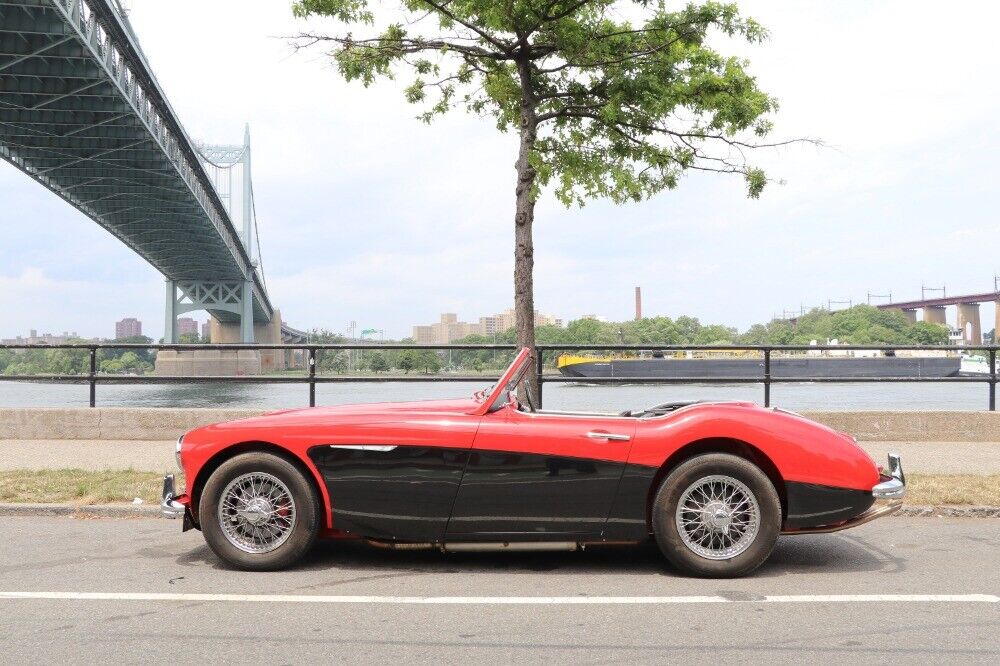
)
(812, 505)
(627, 520)
(527, 496)
(405, 493)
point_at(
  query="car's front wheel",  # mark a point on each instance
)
(259, 512)
(716, 515)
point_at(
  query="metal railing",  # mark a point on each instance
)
(545, 352)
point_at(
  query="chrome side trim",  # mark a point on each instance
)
(365, 447)
(168, 506)
(614, 437)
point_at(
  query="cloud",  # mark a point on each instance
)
(32, 299)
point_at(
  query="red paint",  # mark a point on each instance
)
(800, 449)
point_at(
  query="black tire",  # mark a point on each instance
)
(665, 519)
(304, 527)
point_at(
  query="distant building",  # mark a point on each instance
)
(187, 326)
(449, 328)
(206, 331)
(46, 339)
(129, 327)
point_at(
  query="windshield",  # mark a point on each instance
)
(498, 395)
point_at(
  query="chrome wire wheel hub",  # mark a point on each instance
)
(718, 517)
(257, 512)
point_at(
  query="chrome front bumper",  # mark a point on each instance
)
(888, 500)
(169, 505)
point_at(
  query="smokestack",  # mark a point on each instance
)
(638, 303)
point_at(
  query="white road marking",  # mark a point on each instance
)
(324, 599)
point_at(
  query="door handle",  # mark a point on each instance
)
(610, 436)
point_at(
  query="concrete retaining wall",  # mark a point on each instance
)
(116, 423)
(111, 423)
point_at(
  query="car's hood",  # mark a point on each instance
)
(367, 412)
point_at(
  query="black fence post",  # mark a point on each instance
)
(767, 377)
(312, 376)
(93, 376)
(539, 370)
(993, 379)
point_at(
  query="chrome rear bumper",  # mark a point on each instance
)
(888, 500)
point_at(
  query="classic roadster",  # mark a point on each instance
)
(714, 483)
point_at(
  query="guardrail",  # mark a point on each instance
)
(545, 351)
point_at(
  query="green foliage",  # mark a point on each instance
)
(860, 325)
(376, 361)
(428, 361)
(329, 361)
(407, 360)
(610, 107)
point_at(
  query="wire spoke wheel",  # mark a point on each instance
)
(256, 512)
(718, 517)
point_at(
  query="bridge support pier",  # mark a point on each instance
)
(246, 313)
(911, 315)
(170, 315)
(935, 314)
(969, 323)
(233, 301)
(996, 323)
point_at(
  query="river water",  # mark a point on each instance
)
(954, 396)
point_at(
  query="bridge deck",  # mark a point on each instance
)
(82, 114)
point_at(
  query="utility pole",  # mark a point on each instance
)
(830, 303)
(925, 289)
(871, 296)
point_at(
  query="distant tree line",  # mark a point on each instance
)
(77, 361)
(361, 360)
(861, 324)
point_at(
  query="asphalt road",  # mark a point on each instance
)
(354, 604)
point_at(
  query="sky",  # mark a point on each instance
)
(368, 215)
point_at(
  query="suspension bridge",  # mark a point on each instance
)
(82, 114)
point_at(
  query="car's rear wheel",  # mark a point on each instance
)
(717, 516)
(259, 512)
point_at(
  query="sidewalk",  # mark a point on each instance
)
(142, 456)
(981, 458)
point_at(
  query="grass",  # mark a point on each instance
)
(75, 486)
(956, 489)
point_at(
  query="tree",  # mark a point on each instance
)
(602, 106)
(428, 361)
(377, 362)
(407, 360)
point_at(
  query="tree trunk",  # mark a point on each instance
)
(524, 217)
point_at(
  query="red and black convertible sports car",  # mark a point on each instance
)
(713, 483)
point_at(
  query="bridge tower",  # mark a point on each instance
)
(228, 301)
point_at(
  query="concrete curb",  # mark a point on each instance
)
(949, 511)
(82, 511)
(152, 511)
